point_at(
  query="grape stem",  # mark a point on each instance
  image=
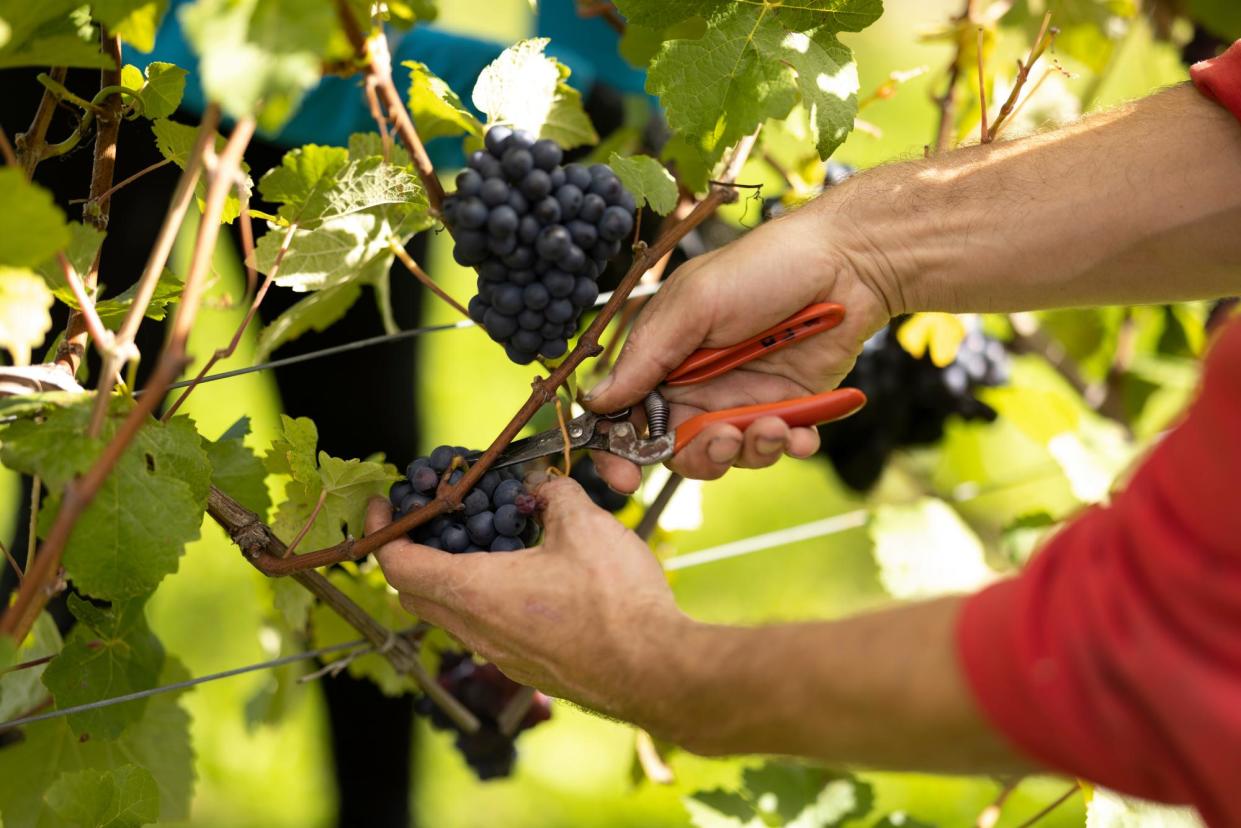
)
(422, 276)
(32, 143)
(544, 391)
(510, 717)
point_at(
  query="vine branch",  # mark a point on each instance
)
(544, 389)
(31, 143)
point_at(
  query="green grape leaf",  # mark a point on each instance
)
(25, 312)
(176, 141)
(1108, 809)
(370, 144)
(344, 486)
(108, 653)
(436, 109)
(369, 591)
(259, 58)
(660, 14)
(23, 690)
(159, 742)
(349, 248)
(783, 793)
(717, 89)
(525, 89)
(363, 185)
(136, 21)
(647, 180)
(316, 312)
(49, 33)
(301, 173)
(134, 531)
(122, 797)
(924, 549)
(826, 76)
(160, 89)
(167, 291)
(32, 227)
(237, 471)
(81, 249)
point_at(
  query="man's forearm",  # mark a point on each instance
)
(1140, 204)
(881, 690)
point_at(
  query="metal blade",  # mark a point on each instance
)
(581, 430)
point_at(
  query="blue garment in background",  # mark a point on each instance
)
(336, 108)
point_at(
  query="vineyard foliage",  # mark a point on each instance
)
(1082, 394)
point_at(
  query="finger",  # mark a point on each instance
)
(428, 611)
(709, 455)
(566, 508)
(379, 515)
(803, 443)
(764, 443)
(620, 474)
(671, 327)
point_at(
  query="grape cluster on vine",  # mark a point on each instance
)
(539, 234)
(497, 515)
(910, 398)
(485, 692)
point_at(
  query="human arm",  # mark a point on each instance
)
(595, 622)
(1138, 204)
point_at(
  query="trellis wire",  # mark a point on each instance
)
(640, 290)
(181, 685)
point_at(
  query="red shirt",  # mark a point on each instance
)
(1116, 655)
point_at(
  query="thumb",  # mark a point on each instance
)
(671, 327)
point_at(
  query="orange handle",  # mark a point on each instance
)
(706, 363)
(804, 411)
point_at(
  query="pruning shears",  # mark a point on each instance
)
(619, 436)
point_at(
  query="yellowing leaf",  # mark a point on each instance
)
(939, 333)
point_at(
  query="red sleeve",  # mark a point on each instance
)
(1220, 78)
(1116, 655)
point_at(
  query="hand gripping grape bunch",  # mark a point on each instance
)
(498, 514)
(539, 234)
(485, 692)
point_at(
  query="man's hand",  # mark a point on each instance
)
(725, 297)
(585, 616)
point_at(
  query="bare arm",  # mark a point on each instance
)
(1139, 204)
(596, 623)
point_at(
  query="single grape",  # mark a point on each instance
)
(518, 356)
(558, 283)
(528, 229)
(440, 458)
(536, 185)
(554, 348)
(516, 163)
(585, 292)
(400, 490)
(610, 188)
(527, 340)
(615, 224)
(558, 177)
(413, 502)
(477, 309)
(522, 278)
(529, 320)
(502, 246)
(573, 261)
(518, 202)
(521, 258)
(494, 192)
(547, 210)
(536, 296)
(508, 299)
(560, 310)
(503, 543)
(485, 164)
(553, 242)
(592, 208)
(509, 521)
(583, 233)
(503, 221)
(470, 248)
(455, 538)
(570, 200)
(499, 325)
(471, 213)
(481, 527)
(489, 481)
(546, 154)
(552, 331)
(578, 176)
(495, 138)
(476, 501)
(468, 182)
(519, 139)
(493, 271)
(426, 479)
(506, 492)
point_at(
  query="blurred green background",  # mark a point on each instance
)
(575, 771)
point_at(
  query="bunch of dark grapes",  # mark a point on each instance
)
(539, 235)
(603, 495)
(485, 692)
(498, 514)
(908, 401)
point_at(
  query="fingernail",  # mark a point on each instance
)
(723, 449)
(599, 389)
(769, 445)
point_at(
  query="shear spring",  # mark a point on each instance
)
(656, 414)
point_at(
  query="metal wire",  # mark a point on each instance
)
(181, 685)
(640, 290)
